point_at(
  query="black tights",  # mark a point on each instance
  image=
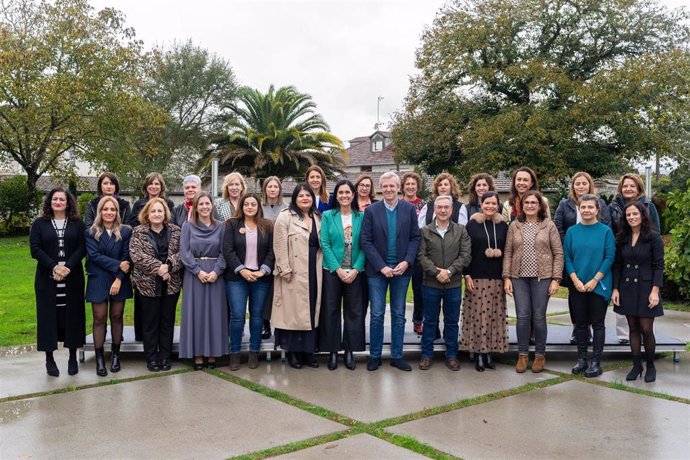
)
(100, 318)
(642, 330)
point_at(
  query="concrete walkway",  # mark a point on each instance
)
(314, 413)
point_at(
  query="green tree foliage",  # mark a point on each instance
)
(559, 85)
(276, 133)
(69, 84)
(677, 262)
(15, 211)
(192, 86)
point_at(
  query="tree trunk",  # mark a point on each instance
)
(32, 177)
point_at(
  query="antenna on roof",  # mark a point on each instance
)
(378, 112)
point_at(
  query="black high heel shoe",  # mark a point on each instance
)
(636, 370)
(479, 364)
(266, 334)
(333, 362)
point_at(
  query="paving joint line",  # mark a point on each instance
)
(73, 388)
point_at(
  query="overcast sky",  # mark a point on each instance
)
(343, 53)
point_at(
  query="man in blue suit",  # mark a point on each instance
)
(390, 239)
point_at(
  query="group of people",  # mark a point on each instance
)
(311, 268)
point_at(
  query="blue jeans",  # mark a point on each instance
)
(531, 299)
(238, 293)
(378, 285)
(451, 316)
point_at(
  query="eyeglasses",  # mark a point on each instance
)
(364, 185)
(530, 203)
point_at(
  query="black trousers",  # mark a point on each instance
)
(137, 313)
(158, 325)
(339, 296)
(589, 308)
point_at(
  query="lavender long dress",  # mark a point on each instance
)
(204, 322)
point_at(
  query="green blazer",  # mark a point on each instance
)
(333, 240)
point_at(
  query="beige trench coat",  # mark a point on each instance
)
(291, 247)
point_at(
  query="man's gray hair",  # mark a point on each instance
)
(443, 197)
(389, 175)
(191, 178)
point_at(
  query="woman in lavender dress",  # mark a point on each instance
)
(204, 322)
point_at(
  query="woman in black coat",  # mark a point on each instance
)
(57, 243)
(108, 286)
(638, 275)
(108, 185)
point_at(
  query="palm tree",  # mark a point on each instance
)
(277, 133)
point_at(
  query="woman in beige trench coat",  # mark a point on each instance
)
(297, 282)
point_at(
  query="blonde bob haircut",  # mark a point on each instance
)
(454, 187)
(97, 228)
(144, 213)
(590, 190)
(229, 178)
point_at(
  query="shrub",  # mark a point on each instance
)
(15, 210)
(82, 201)
(678, 251)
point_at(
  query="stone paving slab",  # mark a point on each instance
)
(568, 420)
(671, 378)
(361, 447)
(191, 415)
(388, 392)
(25, 373)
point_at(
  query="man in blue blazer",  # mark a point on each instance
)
(390, 239)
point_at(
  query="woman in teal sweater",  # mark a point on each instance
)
(343, 278)
(589, 249)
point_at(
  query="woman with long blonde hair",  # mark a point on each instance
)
(108, 285)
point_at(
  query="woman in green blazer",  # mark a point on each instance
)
(343, 277)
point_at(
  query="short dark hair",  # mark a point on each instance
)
(113, 179)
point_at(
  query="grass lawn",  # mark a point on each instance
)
(17, 299)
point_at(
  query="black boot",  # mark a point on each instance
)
(266, 334)
(580, 367)
(489, 361)
(72, 366)
(636, 370)
(479, 364)
(115, 358)
(333, 362)
(293, 360)
(51, 368)
(594, 369)
(650, 375)
(349, 360)
(309, 360)
(101, 371)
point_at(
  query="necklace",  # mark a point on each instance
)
(491, 252)
(61, 236)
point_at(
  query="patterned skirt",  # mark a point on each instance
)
(484, 318)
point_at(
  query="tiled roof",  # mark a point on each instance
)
(361, 155)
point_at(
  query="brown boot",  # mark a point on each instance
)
(234, 361)
(522, 364)
(538, 364)
(253, 359)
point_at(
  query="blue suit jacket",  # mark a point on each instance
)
(103, 259)
(375, 236)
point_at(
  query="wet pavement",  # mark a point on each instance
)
(315, 413)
